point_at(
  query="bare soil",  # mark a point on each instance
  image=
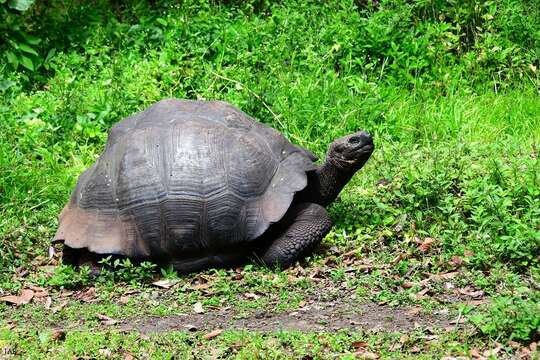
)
(317, 316)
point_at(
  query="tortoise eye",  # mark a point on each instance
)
(354, 140)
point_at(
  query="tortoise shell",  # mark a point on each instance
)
(183, 177)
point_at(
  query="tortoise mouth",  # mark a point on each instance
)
(364, 148)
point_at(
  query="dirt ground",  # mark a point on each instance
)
(315, 316)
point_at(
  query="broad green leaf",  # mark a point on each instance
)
(26, 62)
(4, 85)
(28, 49)
(21, 5)
(32, 40)
(12, 58)
(50, 54)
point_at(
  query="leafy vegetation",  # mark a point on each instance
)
(449, 89)
(19, 45)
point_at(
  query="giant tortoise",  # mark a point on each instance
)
(199, 184)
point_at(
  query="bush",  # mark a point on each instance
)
(18, 47)
(406, 42)
(511, 318)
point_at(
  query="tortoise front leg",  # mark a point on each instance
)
(307, 224)
(82, 257)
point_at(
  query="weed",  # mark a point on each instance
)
(512, 317)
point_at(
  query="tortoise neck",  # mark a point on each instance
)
(328, 180)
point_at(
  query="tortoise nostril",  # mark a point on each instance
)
(366, 137)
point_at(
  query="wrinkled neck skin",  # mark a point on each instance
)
(325, 183)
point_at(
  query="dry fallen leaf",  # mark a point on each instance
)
(204, 286)
(212, 334)
(315, 274)
(468, 291)
(66, 293)
(403, 339)
(198, 308)
(476, 302)
(407, 284)
(165, 283)
(359, 344)
(58, 335)
(251, 296)
(475, 353)
(105, 320)
(492, 352)
(59, 307)
(123, 300)
(398, 259)
(52, 252)
(456, 261)
(363, 354)
(36, 288)
(524, 353)
(414, 311)
(24, 298)
(238, 277)
(131, 292)
(47, 303)
(39, 292)
(105, 353)
(444, 276)
(426, 244)
(421, 294)
(87, 296)
(352, 253)
(449, 286)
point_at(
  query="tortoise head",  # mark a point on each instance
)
(351, 151)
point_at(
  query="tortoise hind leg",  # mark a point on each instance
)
(307, 224)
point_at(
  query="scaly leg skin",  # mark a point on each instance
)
(308, 224)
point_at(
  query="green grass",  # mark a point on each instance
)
(237, 344)
(450, 93)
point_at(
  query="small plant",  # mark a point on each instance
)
(67, 276)
(125, 270)
(511, 318)
(169, 273)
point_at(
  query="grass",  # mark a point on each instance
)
(455, 114)
(241, 345)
